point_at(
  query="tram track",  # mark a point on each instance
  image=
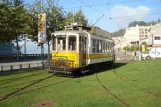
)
(18, 78)
(18, 91)
(107, 89)
(22, 88)
(127, 81)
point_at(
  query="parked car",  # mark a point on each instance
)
(151, 54)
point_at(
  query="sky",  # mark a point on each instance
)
(112, 15)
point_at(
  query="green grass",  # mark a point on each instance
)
(136, 83)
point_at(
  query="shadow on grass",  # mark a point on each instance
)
(103, 68)
(95, 68)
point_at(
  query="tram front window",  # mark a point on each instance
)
(72, 43)
(61, 41)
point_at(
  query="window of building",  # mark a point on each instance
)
(157, 38)
(72, 43)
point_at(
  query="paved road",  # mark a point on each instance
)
(18, 65)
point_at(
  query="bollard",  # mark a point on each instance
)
(2, 68)
(29, 65)
(11, 67)
(37, 64)
(20, 66)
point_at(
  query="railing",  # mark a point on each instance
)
(21, 57)
(14, 68)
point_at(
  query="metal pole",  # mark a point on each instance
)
(42, 45)
(24, 44)
(42, 54)
(41, 6)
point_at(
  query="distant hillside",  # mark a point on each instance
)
(120, 32)
(142, 23)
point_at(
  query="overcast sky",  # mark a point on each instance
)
(121, 12)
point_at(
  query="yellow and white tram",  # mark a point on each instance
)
(76, 48)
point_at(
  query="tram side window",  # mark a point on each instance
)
(94, 46)
(54, 44)
(97, 46)
(110, 47)
(61, 44)
(100, 46)
(106, 47)
(80, 43)
(72, 43)
(103, 47)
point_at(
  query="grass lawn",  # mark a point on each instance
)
(134, 84)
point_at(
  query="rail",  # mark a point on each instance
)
(14, 68)
(21, 57)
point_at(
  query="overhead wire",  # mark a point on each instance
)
(112, 3)
(90, 6)
(98, 19)
(95, 10)
(108, 4)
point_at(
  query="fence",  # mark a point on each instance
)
(14, 68)
(21, 57)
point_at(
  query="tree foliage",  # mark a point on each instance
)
(13, 20)
(54, 18)
(77, 17)
(120, 32)
(142, 23)
(132, 48)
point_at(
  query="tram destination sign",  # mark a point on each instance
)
(60, 36)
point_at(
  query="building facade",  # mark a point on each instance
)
(154, 37)
(134, 34)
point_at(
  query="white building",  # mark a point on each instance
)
(134, 34)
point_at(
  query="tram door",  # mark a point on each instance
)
(83, 50)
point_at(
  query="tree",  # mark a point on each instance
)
(14, 21)
(54, 18)
(140, 23)
(77, 17)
